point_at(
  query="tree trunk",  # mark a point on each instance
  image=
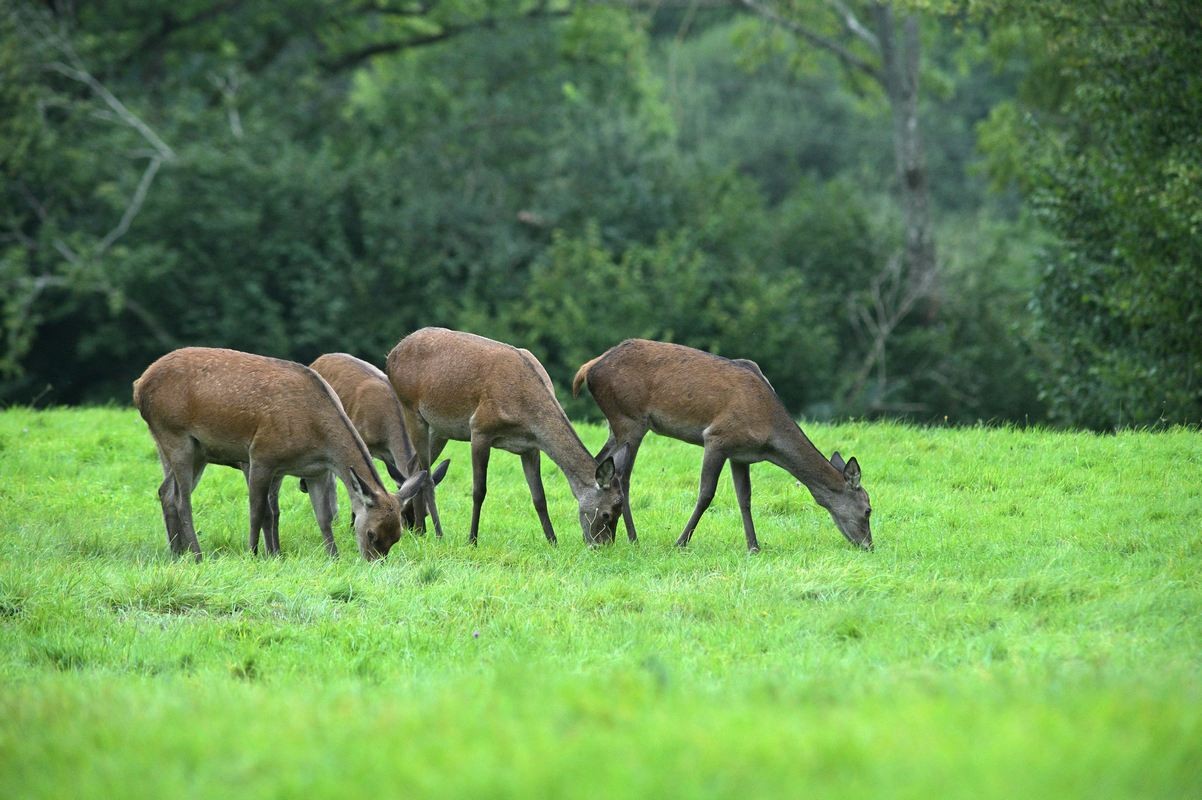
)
(900, 52)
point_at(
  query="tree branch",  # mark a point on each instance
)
(356, 57)
(80, 74)
(853, 24)
(844, 55)
(135, 205)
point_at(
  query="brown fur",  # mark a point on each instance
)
(729, 408)
(266, 416)
(373, 408)
(455, 385)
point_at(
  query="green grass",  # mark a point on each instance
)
(1030, 624)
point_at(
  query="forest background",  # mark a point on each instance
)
(945, 211)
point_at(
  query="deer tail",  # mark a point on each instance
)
(582, 376)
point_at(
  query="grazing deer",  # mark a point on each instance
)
(461, 386)
(269, 418)
(373, 408)
(729, 408)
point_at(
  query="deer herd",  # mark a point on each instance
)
(270, 418)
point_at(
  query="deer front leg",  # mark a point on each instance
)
(323, 494)
(532, 467)
(740, 474)
(258, 486)
(627, 517)
(436, 444)
(481, 449)
(711, 466)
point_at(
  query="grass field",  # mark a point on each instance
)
(1030, 624)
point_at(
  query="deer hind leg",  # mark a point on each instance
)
(171, 520)
(531, 465)
(186, 464)
(481, 449)
(323, 494)
(740, 475)
(711, 467)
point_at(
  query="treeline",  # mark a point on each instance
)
(308, 177)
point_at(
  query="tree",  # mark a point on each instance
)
(888, 52)
(1112, 159)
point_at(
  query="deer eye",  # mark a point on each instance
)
(371, 537)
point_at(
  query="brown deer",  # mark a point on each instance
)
(729, 408)
(460, 386)
(373, 408)
(269, 418)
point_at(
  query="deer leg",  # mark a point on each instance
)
(171, 519)
(630, 431)
(740, 474)
(627, 517)
(273, 512)
(323, 494)
(253, 539)
(711, 466)
(436, 444)
(419, 434)
(481, 449)
(532, 467)
(186, 466)
(258, 485)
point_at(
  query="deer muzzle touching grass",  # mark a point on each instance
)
(728, 408)
(373, 408)
(455, 385)
(270, 418)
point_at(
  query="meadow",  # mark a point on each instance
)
(1028, 625)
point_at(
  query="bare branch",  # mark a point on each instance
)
(135, 205)
(892, 299)
(853, 24)
(836, 49)
(77, 73)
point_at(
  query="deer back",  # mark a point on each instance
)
(676, 385)
(231, 401)
(367, 397)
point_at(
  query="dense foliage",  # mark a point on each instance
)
(313, 176)
(1105, 140)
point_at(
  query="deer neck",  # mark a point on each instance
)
(557, 438)
(798, 456)
(347, 452)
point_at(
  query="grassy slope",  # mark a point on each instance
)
(1029, 623)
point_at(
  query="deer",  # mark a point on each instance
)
(456, 385)
(372, 406)
(269, 418)
(728, 407)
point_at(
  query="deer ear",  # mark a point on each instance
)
(411, 486)
(362, 490)
(605, 472)
(440, 471)
(837, 461)
(852, 473)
